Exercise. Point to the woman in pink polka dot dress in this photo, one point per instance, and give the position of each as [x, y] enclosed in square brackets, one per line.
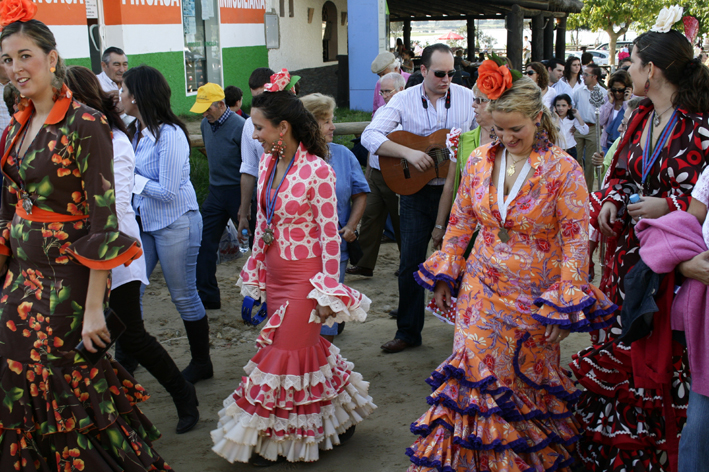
[300, 395]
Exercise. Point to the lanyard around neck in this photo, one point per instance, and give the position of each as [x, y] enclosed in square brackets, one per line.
[650, 157]
[502, 203]
[271, 200]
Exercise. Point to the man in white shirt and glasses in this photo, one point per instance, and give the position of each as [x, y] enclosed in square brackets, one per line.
[586, 145]
[422, 109]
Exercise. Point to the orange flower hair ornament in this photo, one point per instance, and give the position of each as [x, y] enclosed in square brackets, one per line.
[16, 10]
[281, 81]
[495, 78]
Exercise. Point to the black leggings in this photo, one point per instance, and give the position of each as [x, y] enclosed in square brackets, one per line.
[137, 343]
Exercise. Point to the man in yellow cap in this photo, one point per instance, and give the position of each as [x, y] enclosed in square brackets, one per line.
[221, 132]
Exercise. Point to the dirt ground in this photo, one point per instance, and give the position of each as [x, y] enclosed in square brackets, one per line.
[396, 380]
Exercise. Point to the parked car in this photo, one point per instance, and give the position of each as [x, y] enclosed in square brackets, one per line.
[602, 58]
[618, 46]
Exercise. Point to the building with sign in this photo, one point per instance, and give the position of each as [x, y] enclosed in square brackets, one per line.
[189, 41]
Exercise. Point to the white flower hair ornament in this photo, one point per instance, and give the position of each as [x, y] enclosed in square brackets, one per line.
[667, 18]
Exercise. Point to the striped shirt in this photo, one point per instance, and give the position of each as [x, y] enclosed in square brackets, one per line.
[407, 110]
[251, 150]
[163, 190]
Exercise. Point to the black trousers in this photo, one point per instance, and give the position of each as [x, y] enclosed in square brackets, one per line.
[137, 343]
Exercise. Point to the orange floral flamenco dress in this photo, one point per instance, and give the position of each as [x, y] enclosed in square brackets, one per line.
[501, 402]
[299, 394]
[58, 412]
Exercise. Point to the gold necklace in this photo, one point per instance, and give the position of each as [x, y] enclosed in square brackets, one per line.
[513, 166]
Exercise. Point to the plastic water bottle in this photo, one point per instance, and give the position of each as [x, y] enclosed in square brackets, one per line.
[634, 198]
[244, 241]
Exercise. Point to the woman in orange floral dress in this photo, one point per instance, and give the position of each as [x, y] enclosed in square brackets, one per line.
[59, 240]
[501, 401]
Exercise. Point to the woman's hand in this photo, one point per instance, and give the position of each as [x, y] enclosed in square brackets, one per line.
[648, 207]
[606, 219]
[696, 268]
[324, 312]
[442, 295]
[94, 332]
[554, 334]
[348, 234]
[437, 237]
[611, 98]
[597, 159]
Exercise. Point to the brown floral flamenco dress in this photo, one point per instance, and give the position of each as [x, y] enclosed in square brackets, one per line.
[57, 412]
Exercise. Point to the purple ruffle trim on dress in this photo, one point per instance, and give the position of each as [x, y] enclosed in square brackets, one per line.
[426, 462]
[558, 391]
[452, 283]
[437, 379]
[585, 325]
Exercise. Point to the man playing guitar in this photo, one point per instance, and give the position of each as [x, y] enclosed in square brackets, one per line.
[423, 109]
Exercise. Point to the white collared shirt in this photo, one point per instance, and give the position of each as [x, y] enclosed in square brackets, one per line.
[107, 84]
[406, 109]
[251, 150]
[582, 98]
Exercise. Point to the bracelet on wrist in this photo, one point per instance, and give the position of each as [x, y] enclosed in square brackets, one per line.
[439, 227]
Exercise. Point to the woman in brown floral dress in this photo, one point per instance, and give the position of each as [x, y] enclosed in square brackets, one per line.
[59, 240]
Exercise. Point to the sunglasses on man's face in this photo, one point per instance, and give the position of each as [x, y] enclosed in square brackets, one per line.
[441, 73]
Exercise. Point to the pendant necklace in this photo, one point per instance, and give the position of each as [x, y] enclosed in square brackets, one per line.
[513, 166]
[23, 194]
[267, 236]
[502, 203]
[656, 118]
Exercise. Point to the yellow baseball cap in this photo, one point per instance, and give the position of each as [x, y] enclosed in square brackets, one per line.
[206, 95]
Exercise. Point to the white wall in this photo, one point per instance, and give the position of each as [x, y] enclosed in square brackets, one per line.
[301, 43]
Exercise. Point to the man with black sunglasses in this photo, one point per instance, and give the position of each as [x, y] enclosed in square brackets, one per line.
[422, 109]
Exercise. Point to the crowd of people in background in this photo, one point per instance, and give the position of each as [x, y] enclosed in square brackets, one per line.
[548, 165]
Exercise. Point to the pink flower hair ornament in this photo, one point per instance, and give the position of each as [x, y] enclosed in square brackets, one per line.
[281, 81]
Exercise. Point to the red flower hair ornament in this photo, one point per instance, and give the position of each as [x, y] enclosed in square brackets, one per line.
[495, 78]
[281, 81]
[16, 10]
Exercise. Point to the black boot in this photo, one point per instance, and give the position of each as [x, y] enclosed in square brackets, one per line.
[186, 404]
[200, 366]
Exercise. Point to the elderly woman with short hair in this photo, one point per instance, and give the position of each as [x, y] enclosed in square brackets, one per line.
[351, 187]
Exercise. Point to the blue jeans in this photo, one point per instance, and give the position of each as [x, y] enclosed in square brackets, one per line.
[221, 204]
[694, 445]
[176, 247]
[333, 330]
[417, 219]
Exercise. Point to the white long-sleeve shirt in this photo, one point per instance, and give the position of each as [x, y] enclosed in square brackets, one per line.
[566, 137]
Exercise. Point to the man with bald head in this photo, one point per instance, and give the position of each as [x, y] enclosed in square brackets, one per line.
[381, 200]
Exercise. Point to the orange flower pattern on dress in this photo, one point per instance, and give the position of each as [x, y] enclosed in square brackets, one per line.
[501, 398]
[47, 388]
[493, 80]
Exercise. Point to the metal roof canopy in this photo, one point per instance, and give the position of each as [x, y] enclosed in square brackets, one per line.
[425, 10]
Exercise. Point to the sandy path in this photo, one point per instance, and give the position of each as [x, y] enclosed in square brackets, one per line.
[397, 380]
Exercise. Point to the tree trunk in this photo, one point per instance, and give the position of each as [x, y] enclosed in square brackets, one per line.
[613, 40]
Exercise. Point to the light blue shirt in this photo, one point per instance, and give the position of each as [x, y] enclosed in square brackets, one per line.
[349, 181]
[167, 193]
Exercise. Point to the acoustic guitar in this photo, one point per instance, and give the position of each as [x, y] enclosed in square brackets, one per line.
[402, 177]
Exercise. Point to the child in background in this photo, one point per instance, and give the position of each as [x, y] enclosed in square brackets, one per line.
[567, 120]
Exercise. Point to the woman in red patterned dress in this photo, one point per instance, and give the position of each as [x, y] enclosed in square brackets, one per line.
[632, 417]
[300, 394]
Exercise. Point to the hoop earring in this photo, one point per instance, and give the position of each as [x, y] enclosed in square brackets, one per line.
[647, 86]
[278, 147]
[542, 139]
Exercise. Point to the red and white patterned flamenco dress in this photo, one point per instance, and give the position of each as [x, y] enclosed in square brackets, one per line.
[299, 393]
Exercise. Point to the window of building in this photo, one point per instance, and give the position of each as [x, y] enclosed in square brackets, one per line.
[203, 58]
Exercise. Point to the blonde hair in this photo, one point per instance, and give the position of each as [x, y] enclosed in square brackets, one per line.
[525, 97]
[321, 106]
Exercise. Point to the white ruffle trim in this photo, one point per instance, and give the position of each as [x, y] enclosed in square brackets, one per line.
[253, 291]
[342, 311]
[238, 434]
[297, 382]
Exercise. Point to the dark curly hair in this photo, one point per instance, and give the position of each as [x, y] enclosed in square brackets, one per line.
[285, 106]
[674, 55]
